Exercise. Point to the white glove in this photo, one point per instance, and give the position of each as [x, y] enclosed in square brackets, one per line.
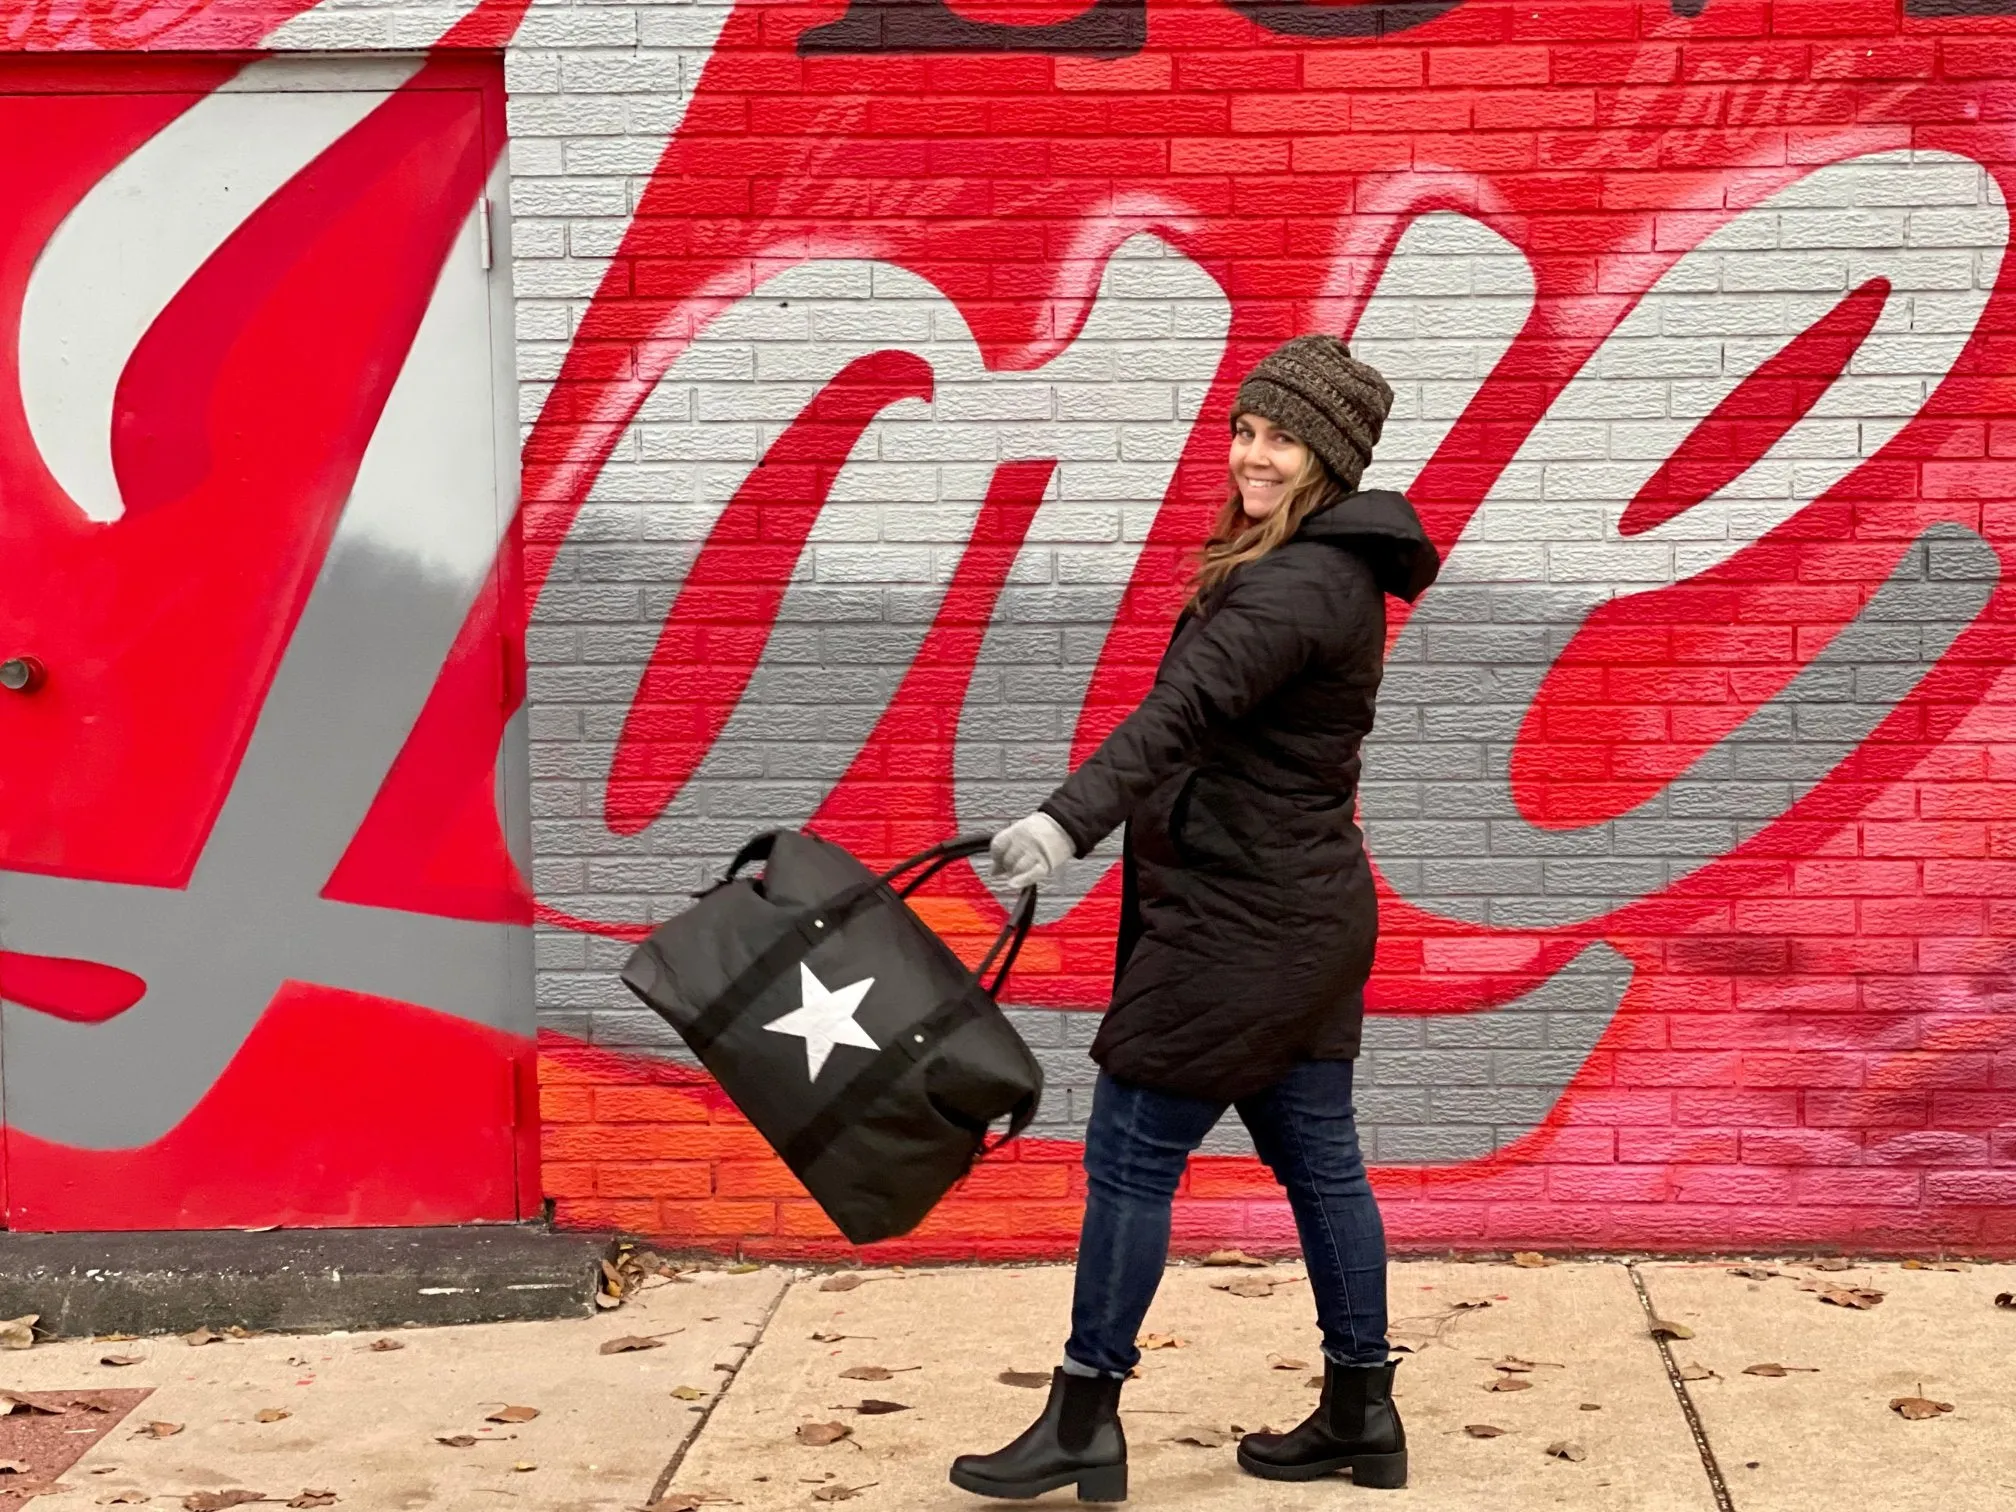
[1030, 851]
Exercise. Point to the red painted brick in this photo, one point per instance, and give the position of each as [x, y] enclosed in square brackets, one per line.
[1738, 1184]
[1453, 67]
[1860, 1186]
[658, 1179]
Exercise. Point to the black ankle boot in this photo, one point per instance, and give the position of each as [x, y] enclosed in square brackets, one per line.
[1354, 1427]
[1077, 1438]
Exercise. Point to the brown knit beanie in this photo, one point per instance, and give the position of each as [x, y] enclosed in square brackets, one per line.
[1313, 387]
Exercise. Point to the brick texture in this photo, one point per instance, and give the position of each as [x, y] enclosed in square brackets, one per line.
[873, 401]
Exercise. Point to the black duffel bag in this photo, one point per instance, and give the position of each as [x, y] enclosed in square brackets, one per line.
[846, 1031]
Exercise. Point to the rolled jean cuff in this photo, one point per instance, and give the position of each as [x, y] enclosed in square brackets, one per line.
[1090, 1372]
[1338, 1357]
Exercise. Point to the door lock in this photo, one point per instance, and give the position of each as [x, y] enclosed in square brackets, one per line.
[22, 674]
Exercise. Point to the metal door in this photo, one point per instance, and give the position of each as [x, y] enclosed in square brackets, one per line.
[262, 942]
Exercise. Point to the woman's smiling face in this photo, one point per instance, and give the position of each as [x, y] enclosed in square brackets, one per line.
[1265, 460]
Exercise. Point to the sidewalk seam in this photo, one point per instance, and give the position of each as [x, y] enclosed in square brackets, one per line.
[1716, 1484]
[664, 1482]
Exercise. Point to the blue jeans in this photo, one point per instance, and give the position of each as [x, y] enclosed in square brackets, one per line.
[1136, 1147]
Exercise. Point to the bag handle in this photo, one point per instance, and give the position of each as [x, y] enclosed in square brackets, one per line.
[933, 859]
[1013, 934]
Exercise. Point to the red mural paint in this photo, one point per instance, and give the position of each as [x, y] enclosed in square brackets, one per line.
[165, 555]
[1768, 694]
[1604, 143]
[339, 1111]
[716, 632]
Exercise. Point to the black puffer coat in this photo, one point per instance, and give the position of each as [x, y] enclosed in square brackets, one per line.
[1248, 916]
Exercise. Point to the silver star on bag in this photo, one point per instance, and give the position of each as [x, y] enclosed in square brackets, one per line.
[826, 1019]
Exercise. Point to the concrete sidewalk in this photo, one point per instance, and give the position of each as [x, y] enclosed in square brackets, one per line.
[744, 1358]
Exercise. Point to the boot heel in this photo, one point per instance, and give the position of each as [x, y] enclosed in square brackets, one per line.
[1110, 1484]
[1386, 1472]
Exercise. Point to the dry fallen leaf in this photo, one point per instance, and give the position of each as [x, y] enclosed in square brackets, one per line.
[1935, 1265]
[821, 1434]
[1286, 1362]
[1230, 1257]
[456, 1440]
[1918, 1408]
[1754, 1272]
[120, 1359]
[866, 1373]
[1247, 1286]
[677, 1501]
[1469, 1304]
[217, 1501]
[2005, 1299]
[124, 1499]
[1510, 1383]
[1661, 1329]
[511, 1415]
[688, 1393]
[271, 1414]
[1162, 1341]
[875, 1407]
[1530, 1259]
[1830, 1263]
[158, 1430]
[16, 1401]
[385, 1346]
[13, 1467]
[192, 1338]
[309, 1498]
[1592, 1406]
[1768, 1368]
[1861, 1298]
[1031, 1379]
[839, 1493]
[846, 1281]
[1568, 1449]
[1513, 1365]
[19, 1333]
[525, 1467]
[1697, 1373]
[740, 1268]
[1482, 1430]
[629, 1343]
[1202, 1437]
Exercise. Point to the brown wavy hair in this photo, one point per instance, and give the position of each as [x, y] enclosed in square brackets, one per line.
[1235, 540]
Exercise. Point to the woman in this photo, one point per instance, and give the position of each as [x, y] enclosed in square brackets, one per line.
[1247, 924]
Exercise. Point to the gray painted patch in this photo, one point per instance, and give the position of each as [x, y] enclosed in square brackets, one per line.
[1439, 815]
[1431, 1088]
[368, 648]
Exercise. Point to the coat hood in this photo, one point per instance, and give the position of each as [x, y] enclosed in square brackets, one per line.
[1382, 528]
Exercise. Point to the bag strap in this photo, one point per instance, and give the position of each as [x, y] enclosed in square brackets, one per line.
[814, 925]
[867, 1085]
[806, 930]
[1013, 934]
[1020, 1119]
[755, 848]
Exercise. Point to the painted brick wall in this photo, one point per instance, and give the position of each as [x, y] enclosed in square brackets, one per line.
[874, 379]
[862, 493]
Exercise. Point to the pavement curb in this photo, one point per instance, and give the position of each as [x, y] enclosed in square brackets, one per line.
[297, 1280]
